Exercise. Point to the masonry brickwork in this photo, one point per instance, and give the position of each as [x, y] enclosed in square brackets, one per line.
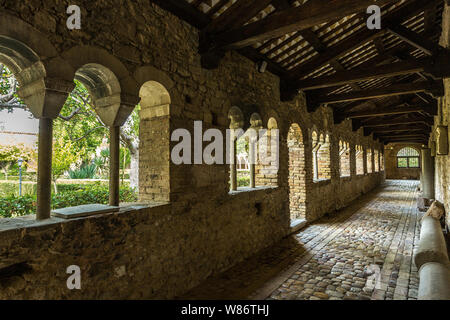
[189, 226]
[442, 162]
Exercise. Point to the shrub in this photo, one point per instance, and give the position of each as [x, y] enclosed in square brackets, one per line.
[11, 189]
[17, 206]
[85, 194]
[87, 171]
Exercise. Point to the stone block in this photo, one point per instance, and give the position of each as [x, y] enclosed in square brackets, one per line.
[432, 247]
[434, 282]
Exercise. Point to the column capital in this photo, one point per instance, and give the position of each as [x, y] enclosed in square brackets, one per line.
[45, 97]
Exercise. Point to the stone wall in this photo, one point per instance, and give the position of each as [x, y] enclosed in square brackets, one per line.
[392, 171]
[442, 162]
[201, 229]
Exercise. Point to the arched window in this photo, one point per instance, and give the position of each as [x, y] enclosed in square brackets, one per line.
[297, 173]
[266, 171]
[359, 160]
[344, 156]
[377, 160]
[408, 158]
[236, 123]
[321, 157]
[369, 157]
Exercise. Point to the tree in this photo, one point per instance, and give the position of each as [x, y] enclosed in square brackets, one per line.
[9, 155]
[78, 122]
[63, 157]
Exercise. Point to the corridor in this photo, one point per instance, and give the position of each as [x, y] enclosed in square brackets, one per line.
[362, 252]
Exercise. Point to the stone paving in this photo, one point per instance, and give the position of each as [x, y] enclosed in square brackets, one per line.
[362, 252]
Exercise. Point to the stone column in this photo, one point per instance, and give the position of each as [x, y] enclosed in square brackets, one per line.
[252, 159]
[233, 169]
[114, 166]
[427, 174]
[44, 174]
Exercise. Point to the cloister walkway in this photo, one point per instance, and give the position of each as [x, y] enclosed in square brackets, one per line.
[362, 252]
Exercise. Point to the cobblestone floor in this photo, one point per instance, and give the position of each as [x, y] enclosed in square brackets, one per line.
[362, 252]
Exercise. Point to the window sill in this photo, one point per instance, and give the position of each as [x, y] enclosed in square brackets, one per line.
[242, 190]
[7, 224]
[322, 181]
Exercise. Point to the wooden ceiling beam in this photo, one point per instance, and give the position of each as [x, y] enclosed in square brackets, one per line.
[393, 18]
[184, 11]
[416, 40]
[235, 16]
[356, 75]
[312, 13]
[401, 129]
[389, 123]
[385, 112]
[435, 87]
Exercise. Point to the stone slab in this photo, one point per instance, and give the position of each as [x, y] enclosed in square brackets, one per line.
[83, 211]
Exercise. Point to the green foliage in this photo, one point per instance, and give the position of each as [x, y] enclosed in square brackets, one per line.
[243, 178]
[63, 157]
[85, 194]
[11, 189]
[86, 171]
[80, 124]
[14, 207]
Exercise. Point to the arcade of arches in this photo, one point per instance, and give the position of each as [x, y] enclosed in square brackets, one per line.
[194, 222]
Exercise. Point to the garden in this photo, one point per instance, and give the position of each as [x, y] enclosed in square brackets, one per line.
[80, 160]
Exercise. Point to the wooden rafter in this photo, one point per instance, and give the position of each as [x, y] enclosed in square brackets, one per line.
[312, 13]
[393, 90]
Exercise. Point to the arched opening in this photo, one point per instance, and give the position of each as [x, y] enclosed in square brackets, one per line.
[408, 158]
[376, 156]
[236, 132]
[344, 159]
[359, 154]
[89, 159]
[27, 89]
[154, 143]
[382, 161]
[369, 156]
[267, 167]
[297, 173]
[321, 157]
[18, 141]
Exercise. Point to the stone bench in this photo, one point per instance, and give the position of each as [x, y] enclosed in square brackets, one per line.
[432, 261]
[434, 282]
[432, 247]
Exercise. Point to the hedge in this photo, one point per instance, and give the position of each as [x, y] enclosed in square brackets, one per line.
[19, 206]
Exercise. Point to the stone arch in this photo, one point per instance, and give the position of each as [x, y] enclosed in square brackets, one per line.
[236, 118]
[44, 78]
[256, 121]
[344, 158]
[268, 150]
[17, 29]
[297, 173]
[154, 142]
[115, 93]
[272, 123]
